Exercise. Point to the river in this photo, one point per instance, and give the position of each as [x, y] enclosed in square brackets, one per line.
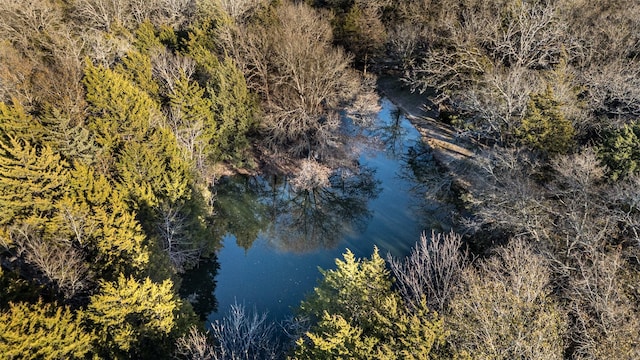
[274, 239]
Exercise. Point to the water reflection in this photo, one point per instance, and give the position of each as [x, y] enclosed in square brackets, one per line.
[295, 221]
[392, 133]
[284, 235]
[198, 286]
[241, 208]
[320, 218]
[431, 187]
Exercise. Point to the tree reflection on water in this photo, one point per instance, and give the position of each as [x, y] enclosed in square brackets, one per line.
[392, 133]
[320, 218]
[432, 187]
[295, 221]
[198, 286]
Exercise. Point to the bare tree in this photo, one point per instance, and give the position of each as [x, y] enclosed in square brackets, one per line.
[495, 105]
[243, 335]
[432, 271]
[238, 9]
[50, 56]
[505, 195]
[174, 13]
[168, 68]
[604, 311]
[484, 58]
[311, 176]
[503, 309]
[177, 241]
[303, 80]
[60, 263]
[104, 14]
[194, 346]
[30, 24]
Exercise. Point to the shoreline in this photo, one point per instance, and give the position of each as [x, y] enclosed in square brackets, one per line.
[452, 152]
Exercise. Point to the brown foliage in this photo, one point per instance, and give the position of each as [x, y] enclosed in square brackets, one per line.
[304, 81]
[41, 60]
[503, 309]
[59, 262]
[432, 271]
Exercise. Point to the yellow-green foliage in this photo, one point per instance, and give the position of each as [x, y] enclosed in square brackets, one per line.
[545, 126]
[146, 39]
[16, 123]
[153, 170]
[16, 288]
[361, 317]
[67, 136]
[42, 331]
[192, 118]
[146, 157]
[96, 217]
[621, 151]
[31, 179]
[120, 111]
[128, 311]
[136, 67]
[234, 108]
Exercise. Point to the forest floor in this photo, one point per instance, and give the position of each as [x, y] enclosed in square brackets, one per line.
[451, 151]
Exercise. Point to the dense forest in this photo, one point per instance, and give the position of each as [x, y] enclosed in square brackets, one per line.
[117, 117]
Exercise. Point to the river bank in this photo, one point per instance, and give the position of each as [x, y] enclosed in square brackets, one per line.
[451, 151]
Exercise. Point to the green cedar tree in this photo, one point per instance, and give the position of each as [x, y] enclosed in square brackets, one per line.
[127, 312]
[96, 217]
[31, 179]
[621, 152]
[545, 126]
[43, 331]
[362, 317]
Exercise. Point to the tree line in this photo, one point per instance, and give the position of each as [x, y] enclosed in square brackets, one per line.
[116, 116]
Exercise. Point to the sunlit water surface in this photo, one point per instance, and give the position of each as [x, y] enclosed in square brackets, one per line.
[276, 239]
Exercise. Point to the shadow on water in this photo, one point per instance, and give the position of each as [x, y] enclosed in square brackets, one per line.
[431, 187]
[198, 286]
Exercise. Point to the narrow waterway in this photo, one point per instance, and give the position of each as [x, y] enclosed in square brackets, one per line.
[274, 239]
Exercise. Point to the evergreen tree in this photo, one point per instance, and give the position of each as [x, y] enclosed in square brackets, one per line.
[43, 331]
[621, 152]
[136, 67]
[17, 123]
[31, 179]
[359, 316]
[544, 126]
[191, 120]
[96, 218]
[234, 109]
[16, 288]
[233, 105]
[70, 138]
[119, 111]
[128, 312]
[153, 170]
[146, 39]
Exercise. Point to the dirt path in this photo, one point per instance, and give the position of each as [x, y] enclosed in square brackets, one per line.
[449, 150]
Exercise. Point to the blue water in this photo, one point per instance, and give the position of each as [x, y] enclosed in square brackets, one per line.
[274, 272]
